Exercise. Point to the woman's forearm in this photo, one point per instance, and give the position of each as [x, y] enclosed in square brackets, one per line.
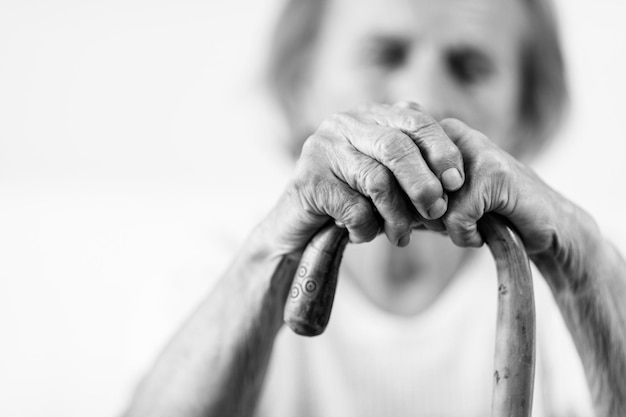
[215, 365]
[588, 278]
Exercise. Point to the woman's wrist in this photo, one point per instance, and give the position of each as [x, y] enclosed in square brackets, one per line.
[260, 280]
[577, 245]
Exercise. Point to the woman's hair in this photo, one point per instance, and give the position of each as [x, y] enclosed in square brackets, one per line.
[290, 58]
[544, 91]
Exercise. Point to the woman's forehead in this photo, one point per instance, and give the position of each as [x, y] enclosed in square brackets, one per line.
[476, 20]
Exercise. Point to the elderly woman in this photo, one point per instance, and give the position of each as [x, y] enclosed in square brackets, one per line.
[458, 92]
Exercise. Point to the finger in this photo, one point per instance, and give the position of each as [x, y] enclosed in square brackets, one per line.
[465, 208]
[440, 153]
[346, 206]
[373, 180]
[396, 151]
[436, 225]
[462, 230]
[470, 203]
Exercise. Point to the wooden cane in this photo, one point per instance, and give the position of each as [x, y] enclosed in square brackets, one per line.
[309, 304]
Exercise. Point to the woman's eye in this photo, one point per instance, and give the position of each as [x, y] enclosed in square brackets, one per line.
[469, 66]
[386, 55]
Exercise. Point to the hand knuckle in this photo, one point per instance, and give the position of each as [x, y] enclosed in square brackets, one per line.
[444, 155]
[461, 229]
[310, 189]
[357, 212]
[395, 147]
[377, 182]
[409, 121]
[426, 126]
[381, 142]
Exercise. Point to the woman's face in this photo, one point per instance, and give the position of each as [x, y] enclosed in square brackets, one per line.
[457, 58]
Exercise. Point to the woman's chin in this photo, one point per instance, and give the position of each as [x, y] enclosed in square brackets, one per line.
[404, 281]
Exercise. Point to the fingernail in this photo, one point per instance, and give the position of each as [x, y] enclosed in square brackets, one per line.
[438, 209]
[405, 240]
[452, 179]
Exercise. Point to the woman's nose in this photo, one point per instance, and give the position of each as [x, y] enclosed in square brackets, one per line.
[425, 82]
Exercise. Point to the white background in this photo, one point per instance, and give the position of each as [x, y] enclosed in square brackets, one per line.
[128, 130]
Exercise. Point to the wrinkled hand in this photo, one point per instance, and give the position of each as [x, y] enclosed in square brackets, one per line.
[496, 182]
[378, 168]
[394, 168]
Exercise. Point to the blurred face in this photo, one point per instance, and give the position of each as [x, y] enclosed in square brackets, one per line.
[457, 58]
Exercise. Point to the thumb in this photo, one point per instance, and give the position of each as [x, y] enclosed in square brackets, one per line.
[461, 220]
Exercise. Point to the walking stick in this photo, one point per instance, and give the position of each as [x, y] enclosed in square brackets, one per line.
[310, 301]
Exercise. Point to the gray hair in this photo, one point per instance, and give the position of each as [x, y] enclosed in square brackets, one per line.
[544, 92]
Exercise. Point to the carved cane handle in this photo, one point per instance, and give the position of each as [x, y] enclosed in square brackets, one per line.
[309, 305]
[310, 299]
